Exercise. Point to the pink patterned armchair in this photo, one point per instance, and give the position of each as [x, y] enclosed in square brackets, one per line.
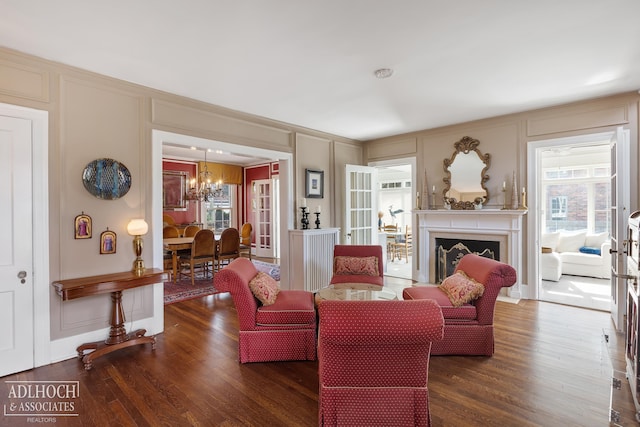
[285, 330]
[468, 329]
[374, 361]
[352, 265]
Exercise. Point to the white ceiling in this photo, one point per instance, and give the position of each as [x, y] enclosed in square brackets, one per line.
[178, 151]
[311, 63]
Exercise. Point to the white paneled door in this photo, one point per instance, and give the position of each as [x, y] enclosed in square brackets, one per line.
[361, 213]
[620, 211]
[16, 264]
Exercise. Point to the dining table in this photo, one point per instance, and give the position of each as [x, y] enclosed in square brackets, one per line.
[175, 244]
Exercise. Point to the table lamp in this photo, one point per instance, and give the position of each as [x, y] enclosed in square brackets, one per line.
[137, 228]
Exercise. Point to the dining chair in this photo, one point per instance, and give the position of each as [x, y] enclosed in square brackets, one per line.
[228, 247]
[190, 230]
[202, 253]
[403, 245]
[391, 230]
[245, 239]
[168, 220]
[170, 231]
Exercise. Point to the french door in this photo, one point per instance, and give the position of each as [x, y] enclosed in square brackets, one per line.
[620, 211]
[360, 205]
[265, 207]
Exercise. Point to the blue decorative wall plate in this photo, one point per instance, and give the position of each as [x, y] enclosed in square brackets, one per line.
[106, 179]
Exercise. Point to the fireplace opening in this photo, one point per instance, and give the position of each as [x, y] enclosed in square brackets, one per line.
[450, 251]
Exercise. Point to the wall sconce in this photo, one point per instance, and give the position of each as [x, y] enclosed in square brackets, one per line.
[137, 228]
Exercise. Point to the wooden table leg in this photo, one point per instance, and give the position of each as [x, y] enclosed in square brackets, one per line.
[174, 259]
[100, 348]
[118, 337]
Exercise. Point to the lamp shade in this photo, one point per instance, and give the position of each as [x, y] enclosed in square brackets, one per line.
[137, 227]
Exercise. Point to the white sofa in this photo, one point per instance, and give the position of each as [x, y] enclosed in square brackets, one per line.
[575, 253]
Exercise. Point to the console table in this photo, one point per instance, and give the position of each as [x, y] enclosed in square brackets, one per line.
[110, 283]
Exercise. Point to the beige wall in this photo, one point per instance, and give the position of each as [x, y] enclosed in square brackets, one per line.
[506, 137]
[93, 116]
[313, 153]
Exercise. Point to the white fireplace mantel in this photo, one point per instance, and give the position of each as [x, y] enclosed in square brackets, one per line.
[504, 226]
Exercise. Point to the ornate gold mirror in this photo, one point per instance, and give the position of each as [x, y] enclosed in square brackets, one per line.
[466, 176]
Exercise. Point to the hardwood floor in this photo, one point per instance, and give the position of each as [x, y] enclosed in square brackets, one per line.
[551, 368]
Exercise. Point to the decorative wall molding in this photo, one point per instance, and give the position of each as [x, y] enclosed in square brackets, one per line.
[23, 81]
[223, 127]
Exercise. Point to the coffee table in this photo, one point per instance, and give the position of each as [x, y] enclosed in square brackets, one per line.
[372, 293]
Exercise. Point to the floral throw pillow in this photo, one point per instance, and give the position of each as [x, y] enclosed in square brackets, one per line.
[364, 265]
[264, 287]
[461, 289]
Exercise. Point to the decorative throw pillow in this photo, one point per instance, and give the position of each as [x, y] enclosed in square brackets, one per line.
[264, 287]
[364, 265]
[571, 241]
[588, 250]
[550, 240]
[461, 289]
[596, 240]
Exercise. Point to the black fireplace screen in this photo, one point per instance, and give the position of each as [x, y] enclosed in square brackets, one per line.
[450, 251]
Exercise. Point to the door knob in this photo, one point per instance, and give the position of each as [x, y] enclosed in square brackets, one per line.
[22, 275]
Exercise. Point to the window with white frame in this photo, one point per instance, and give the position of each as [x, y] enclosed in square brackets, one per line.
[577, 197]
[559, 207]
[219, 212]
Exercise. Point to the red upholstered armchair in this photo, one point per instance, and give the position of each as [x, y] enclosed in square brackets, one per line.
[347, 273]
[374, 361]
[468, 329]
[285, 330]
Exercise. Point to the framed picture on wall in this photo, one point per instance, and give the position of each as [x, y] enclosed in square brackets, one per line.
[108, 242]
[82, 226]
[174, 190]
[314, 183]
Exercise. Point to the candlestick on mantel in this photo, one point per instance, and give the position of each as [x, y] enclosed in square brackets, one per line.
[433, 197]
[504, 195]
[514, 193]
[524, 199]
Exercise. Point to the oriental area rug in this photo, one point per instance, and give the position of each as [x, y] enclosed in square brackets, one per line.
[203, 285]
[182, 289]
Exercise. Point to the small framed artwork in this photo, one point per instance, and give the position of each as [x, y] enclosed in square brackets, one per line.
[174, 189]
[314, 183]
[108, 242]
[82, 226]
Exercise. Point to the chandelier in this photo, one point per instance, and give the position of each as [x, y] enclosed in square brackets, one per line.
[204, 190]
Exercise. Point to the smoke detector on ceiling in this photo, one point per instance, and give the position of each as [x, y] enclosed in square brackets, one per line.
[383, 73]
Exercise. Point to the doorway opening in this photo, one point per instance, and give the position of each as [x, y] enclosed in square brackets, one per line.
[396, 198]
[573, 199]
[278, 233]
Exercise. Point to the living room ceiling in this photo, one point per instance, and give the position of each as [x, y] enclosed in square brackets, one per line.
[312, 63]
